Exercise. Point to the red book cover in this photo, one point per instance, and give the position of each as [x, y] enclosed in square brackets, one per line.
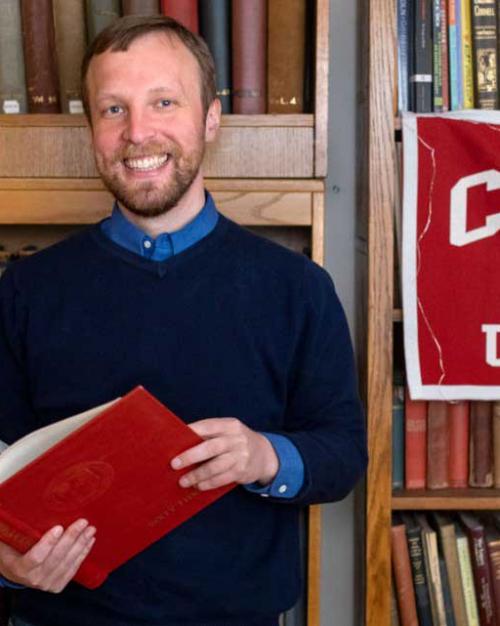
[437, 445]
[184, 11]
[458, 433]
[115, 466]
[403, 577]
[481, 444]
[415, 442]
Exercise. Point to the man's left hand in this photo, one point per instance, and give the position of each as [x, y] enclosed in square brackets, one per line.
[230, 452]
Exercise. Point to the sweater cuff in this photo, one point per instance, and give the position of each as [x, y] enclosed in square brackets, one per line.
[7, 583]
[290, 477]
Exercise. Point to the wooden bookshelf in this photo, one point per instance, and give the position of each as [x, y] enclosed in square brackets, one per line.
[379, 124]
[265, 172]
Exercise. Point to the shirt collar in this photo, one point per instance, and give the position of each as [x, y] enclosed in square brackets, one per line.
[126, 234]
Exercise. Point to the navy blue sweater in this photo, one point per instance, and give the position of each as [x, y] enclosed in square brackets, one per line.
[245, 328]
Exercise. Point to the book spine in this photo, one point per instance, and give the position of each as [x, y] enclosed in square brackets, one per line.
[215, 28]
[249, 30]
[434, 578]
[69, 23]
[466, 40]
[453, 55]
[481, 457]
[485, 38]
[419, 576]
[421, 78]
[12, 78]
[480, 570]
[403, 56]
[445, 56]
[467, 580]
[460, 68]
[496, 443]
[437, 445]
[184, 11]
[493, 547]
[100, 14]
[403, 577]
[395, 621]
[448, 605]
[140, 7]
[415, 443]
[450, 552]
[437, 73]
[458, 431]
[39, 56]
[398, 427]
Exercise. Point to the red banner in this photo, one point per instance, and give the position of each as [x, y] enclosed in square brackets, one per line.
[451, 255]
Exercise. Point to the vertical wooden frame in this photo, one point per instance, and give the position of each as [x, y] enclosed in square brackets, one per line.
[321, 88]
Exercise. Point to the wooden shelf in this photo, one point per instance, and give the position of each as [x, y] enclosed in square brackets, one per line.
[451, 499]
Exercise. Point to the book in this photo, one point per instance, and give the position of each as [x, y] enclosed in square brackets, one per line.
[437, 445]
[445, 76]
[417, 560]
[402, 573]
[438, 27]
[96, 466]
[40, 62]
[481, 448]
[421, 75]
[447, 541]
[458, 444]
[415, 442]
[249, 35]
[286, 31]
[101, 13]
[71, 41]
[141, 7]
[12, 77]
[485, 40]
[403, 55]
[492, 534]
[395, 621]
[184, 11]
[431, 557]
[448, 605]
[398, 449]
[496, 443]
[454, 56]
[465, 38]
[215, 28]
[475, 532]
[466, 576]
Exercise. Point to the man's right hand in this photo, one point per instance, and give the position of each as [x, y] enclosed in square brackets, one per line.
[53, 561]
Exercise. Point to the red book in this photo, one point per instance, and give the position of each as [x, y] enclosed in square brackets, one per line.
[403, 577]
[184, 11]
[458, 433]
[437, 445]
[415, 442]
[107, 464]
[481, 444]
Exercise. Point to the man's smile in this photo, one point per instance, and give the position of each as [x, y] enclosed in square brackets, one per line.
[146, 163]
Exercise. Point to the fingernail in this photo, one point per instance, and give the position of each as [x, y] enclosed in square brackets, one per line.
[57, 531]
[176, 463]
[81, 524]
[90, 532]
[184, 482]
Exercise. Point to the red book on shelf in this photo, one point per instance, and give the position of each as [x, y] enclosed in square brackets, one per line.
[109, 463]
[415, 442]
[437, 445]
[481, 444]
[458, 432]
[184, 11]
[403, 578]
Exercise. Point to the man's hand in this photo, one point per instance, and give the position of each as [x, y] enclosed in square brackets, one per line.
[231, 452]
[53, 561]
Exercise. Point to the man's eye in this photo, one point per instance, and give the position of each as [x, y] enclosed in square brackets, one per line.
[114, 109]
[164, 103]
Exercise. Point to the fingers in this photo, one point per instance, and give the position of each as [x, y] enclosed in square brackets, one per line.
[210, 474]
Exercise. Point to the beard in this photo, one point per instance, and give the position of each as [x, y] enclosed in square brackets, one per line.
[151, 198]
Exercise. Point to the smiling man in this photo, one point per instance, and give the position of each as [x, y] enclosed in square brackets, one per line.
[243, 339]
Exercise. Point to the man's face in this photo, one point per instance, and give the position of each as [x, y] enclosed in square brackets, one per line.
[148, 125]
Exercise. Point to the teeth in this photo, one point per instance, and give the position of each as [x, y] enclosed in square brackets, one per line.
[147, 163]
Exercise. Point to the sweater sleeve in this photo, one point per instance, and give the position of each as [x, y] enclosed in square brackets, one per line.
[16, 415]
[324, 418]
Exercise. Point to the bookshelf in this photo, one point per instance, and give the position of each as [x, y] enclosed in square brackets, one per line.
[265, 172]
[375, 245]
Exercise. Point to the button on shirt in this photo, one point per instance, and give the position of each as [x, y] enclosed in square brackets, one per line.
[121, 231]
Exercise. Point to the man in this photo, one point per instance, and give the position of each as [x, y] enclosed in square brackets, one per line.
[243, 339]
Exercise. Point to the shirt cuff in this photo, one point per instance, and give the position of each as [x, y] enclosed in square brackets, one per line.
[290, 477]
[7, 583]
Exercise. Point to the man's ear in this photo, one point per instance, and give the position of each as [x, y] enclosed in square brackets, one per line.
[212, 121]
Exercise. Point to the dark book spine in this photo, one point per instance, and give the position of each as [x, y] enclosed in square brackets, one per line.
[12, 77]
[286, 30]
[419, 575]
[249, 28]
[215, 28]
[101, 13]
[421, 77]
[184, 11]
[398, 436]
[448, 605]
[403, 56]
[140, 7]
[40, 56]
[69, 21]
[493, 547]
[437, 73]
[485, 38]
[481, 445]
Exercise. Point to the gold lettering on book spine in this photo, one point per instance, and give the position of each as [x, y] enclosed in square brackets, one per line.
[173, 507]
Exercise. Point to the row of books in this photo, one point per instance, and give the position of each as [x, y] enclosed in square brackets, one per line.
[446, 569]
[441, 445]
[262, 50]
[447, 55]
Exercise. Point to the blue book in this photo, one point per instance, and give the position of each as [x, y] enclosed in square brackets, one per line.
[453, 52]
[398, 436]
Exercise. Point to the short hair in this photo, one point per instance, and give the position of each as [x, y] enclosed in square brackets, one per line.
[120, 34]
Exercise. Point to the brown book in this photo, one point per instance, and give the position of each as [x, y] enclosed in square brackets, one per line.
[481, 448]
[402, 574]
[496, 443]
[184, 11]
[458, 442]
[69, 22]
[394, 607]
[40, 56]
[140, 7]
[493, 549]
[433, 573]
[437, 445]
[286, 30]
[249, 28]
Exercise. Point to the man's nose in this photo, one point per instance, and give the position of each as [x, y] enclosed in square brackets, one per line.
[138, 128]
